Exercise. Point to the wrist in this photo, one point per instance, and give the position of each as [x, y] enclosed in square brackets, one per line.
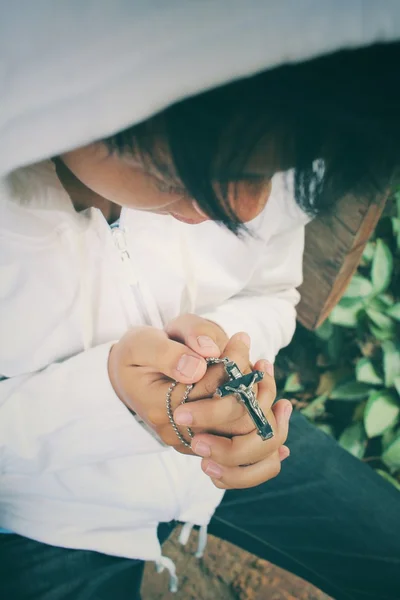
[114, 371]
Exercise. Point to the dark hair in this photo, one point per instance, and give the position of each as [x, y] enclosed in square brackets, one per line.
[334, 119]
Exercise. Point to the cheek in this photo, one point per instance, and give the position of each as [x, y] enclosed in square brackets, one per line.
[117, 181]
[250, 199]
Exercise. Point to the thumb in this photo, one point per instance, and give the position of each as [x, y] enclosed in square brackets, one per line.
[204, 337]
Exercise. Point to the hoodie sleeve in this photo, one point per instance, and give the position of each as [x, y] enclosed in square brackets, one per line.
[265, 307]
[66, 415]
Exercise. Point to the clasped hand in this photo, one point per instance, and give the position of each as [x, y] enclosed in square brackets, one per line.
[141, 366]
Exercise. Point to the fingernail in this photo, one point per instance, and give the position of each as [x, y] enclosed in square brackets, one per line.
[206, 342]
[268, 368]
[183, 417]
[189, 365]
[202, 449]
[213, 470]
[288, 411]
[284, 452]
[245, 339]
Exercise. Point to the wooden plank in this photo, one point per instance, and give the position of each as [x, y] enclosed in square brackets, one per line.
[333, 248]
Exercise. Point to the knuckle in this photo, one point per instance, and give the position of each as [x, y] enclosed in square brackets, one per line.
[209, 418]
[272, 385]
[163, 350]
[230, 456]
[244, 425]
[220, 484]
[172, 324]
[209, 414]
[283, 436]
[178, 325]
[210, 386]
[235, 452]
[136, 336]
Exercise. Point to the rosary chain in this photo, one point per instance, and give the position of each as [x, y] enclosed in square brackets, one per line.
[210, 361]
[170, 415]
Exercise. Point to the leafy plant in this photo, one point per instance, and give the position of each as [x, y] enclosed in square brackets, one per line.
[350, 386]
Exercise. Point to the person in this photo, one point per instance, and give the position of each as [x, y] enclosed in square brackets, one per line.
[102, 308]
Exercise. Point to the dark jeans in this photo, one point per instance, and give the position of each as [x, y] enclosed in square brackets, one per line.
[327, 517]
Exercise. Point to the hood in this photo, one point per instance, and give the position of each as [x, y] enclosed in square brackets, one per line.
[73, 72]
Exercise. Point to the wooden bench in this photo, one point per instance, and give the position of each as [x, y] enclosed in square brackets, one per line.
[333, 250]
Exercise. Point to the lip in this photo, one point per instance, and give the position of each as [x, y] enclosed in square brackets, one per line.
[187, 220]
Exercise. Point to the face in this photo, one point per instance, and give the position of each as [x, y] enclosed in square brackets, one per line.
[127, 182]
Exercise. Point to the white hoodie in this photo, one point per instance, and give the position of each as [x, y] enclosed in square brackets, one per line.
[77, 470]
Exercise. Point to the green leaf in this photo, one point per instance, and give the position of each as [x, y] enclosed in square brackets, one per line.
[382, 265]
[353, 390]
[293, 383]
[391, 456]
[379, 303]
[391, 362]
[369, 252]
[382, 321]
[388, 436]
[359, 287]
[354, 303]
[396, 224]
[329, 380]
[388, 478]
[386, 299]
[326, 428]
[396, 383]
[325, 330]
[353, 439]
[345, 316]
[396, 230]
[381, 412]
[397, 199]
[316, 408]
[334, 345]
[358, 414]
[380, 334]
[394, 311]
[365, 371]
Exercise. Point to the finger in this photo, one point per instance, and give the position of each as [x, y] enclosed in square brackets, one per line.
[284, 453]
[204, 337]
[245, 449]
[267, 386]
[211, 414]
[282, 411]
[236, 451]
[236, 350]
[242, 477]
[238, 347]
[151, 347]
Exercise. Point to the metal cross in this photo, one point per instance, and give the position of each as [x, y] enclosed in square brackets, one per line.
[241, 387]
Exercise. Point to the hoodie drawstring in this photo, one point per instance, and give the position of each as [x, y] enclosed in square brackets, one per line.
[166, 563]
